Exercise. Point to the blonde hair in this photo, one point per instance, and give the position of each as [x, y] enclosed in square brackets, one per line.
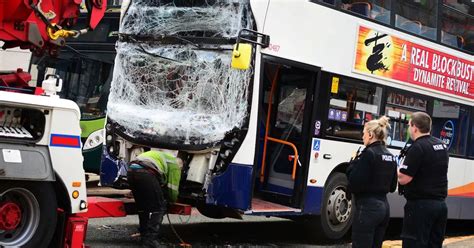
[379, 128]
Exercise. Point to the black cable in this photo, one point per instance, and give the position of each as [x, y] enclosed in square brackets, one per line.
[82, 55]
[186, 40]
[141, 48]
[75, 50]
[156, 55]
[176, 233]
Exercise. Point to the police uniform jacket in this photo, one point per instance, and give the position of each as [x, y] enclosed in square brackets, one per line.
[373, 171]
[427, 162]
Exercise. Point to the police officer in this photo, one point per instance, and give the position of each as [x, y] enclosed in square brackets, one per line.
[372, 174]
[154, 178]
[423, 173]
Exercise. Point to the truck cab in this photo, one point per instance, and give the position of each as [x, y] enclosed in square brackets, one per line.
[42, 181]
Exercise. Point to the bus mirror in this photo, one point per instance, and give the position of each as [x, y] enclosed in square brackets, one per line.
[241, 56]
[242, 53]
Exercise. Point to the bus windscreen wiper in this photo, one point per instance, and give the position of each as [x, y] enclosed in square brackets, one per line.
[200, 43]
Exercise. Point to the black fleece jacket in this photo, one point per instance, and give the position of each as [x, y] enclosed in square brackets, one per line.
[373, 171]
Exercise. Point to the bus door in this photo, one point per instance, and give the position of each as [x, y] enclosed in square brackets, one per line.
[286, 107]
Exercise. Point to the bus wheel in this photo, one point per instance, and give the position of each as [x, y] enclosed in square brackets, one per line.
[210, 211]
[336, 213]
[217, 212]
[27, 214]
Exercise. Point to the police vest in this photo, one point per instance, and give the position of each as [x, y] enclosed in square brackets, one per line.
[168, 168]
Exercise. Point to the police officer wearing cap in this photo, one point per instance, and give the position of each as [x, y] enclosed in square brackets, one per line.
[372, 174]
[423, 174]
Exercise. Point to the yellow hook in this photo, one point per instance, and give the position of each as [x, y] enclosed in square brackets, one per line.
[62, 33]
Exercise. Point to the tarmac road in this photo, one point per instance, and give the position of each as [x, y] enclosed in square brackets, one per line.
[253, 231]
[202, 231]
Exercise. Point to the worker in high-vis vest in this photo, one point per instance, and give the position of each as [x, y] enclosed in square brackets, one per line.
[154, 180]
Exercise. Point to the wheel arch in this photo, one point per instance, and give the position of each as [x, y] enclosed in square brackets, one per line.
[62, 194]
[329, 231]
[342, 168]
[64, 203]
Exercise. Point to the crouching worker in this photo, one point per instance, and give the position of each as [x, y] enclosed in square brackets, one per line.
[154, 180]
[372, 174]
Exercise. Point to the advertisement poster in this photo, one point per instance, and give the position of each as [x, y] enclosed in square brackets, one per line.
[447, 134]
[384, 55]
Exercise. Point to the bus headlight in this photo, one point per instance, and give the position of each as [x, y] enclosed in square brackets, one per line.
[94, 140]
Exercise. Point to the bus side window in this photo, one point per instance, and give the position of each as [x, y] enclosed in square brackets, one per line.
[378, 10]
[399, 109]
[351, 104]
[418, 17]
[451, 124]
[457, 22]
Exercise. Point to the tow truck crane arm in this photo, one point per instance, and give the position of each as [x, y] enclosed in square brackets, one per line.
[43, 25]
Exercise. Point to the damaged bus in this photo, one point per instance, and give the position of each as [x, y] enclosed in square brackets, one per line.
[275, 139]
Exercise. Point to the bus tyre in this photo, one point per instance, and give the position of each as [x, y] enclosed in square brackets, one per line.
[27, 214]
[217, 212]
[336, 211]
[210, 211]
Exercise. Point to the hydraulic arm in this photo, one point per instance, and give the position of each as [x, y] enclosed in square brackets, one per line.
[43, 25]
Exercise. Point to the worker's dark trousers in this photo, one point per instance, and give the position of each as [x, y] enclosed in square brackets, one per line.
[371, 218]
[149, 200]
[424, 223]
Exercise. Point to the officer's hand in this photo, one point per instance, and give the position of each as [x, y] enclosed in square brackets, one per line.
[401, 189]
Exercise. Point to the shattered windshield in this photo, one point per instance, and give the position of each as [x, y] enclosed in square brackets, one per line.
[172, 78]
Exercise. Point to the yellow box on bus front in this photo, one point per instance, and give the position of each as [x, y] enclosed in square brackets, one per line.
[241, 56]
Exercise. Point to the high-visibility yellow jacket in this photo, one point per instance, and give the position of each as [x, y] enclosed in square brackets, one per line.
[169, 169]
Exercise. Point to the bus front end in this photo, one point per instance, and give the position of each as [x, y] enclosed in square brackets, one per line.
[173, 88]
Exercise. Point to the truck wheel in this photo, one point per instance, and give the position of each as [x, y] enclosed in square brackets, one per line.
[27, 214]
[336, 210]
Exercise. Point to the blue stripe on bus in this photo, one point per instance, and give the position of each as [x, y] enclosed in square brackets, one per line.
[233, 188]
[314, 197]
